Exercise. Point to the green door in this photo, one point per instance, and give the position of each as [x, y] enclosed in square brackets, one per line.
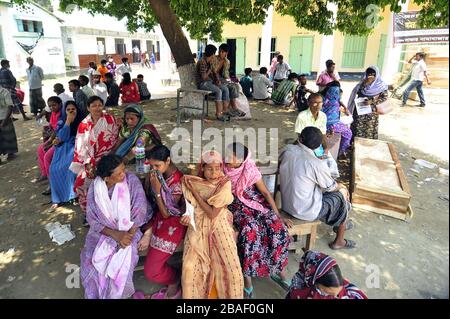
[240, 55]
[354, 53]
[381, 52]
[301, 54]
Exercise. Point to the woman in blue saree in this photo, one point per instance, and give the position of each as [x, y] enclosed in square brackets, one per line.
[61, 178]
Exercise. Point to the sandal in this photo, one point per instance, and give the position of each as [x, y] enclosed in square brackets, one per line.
[236, 113]
[248, 293]
[285, 284]
[349, 244]
[223, 118]
[47, 192]
[349, 226]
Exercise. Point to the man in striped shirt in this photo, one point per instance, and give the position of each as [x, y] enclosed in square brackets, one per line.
[280, 95]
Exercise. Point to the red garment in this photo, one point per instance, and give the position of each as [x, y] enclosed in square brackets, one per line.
[54, 120]
[167, 234]
[91, 144]
[130, 93]
[348, 291]
[313, 265]
[20, 95]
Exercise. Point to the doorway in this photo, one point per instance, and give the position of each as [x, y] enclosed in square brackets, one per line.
[236, 55]
[136, 47]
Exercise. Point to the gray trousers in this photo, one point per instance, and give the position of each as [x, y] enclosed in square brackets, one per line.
[37, 103]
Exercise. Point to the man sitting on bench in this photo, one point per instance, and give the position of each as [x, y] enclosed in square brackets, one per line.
[308, 191]
[207, 80]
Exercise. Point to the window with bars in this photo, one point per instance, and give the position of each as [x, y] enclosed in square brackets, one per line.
[29, 26]
[273, 43]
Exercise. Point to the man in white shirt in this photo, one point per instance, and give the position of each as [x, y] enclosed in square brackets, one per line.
[100, 88]
[282, 70]
[308, 192]
[35, 76]
[418, 74]
[260, 85]
[125, 67]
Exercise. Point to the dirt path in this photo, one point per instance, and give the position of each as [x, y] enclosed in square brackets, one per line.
[412, 258]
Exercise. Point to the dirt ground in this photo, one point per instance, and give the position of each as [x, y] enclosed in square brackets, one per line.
[410, 258]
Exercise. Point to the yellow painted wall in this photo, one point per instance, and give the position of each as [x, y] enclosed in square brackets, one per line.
[283, 28]
[251, 33]
[373, 44]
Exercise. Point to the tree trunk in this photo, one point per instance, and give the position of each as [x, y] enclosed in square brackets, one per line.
[181, 52]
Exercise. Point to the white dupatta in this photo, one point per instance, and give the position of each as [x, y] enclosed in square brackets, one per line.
[110, 262]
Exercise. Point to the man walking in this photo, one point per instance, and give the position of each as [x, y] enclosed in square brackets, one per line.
[8, 81]
[35, 76]
[418, 74]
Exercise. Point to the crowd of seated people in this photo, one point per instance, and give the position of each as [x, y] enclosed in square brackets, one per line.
[235, 231]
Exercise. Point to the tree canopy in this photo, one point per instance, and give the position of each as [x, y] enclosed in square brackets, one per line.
[206, 17]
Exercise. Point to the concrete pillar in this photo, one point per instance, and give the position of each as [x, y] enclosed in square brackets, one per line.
[266, 39]
[392, 53]
[327, 46]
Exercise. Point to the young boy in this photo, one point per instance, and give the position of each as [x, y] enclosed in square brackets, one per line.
[143, 90]
[280, 95]
[247, 83]
[84, 81]
[113, 91]
[260, 84]
[300, 98]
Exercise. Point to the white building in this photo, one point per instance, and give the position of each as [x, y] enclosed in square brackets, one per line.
[34, 29]
[91, 38]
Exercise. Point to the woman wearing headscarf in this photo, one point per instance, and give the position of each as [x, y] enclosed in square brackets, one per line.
[263, 238]
[96, 137]
[375, 90]
[45, 151]
[136, 128]
[319, 277]
[332, 108]
[61, 178]
[211, 267]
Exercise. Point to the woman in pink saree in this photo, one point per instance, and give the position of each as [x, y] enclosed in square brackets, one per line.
[116, 209]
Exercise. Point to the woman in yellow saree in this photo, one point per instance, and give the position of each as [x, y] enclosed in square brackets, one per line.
[211, 266]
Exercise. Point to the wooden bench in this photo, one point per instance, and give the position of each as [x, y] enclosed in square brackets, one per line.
[300, 227]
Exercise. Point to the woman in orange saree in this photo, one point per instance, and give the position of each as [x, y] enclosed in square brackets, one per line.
[211, 264]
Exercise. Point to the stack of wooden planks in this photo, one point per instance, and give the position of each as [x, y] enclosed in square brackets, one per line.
[379, 184]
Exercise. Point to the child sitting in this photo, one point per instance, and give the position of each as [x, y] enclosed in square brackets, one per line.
[261, 83]
[211, 266]
[143, 90]
[247, 83]
[319, 277]
[301, 100]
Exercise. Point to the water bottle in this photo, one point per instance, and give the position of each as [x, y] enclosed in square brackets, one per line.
[139, 153]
